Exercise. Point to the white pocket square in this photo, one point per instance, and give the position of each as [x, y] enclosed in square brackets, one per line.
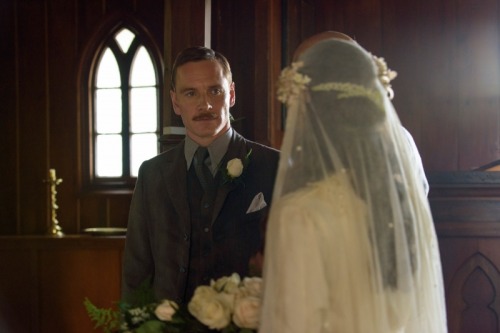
[258, 203]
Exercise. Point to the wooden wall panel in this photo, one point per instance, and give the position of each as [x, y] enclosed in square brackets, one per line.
[401, 49]
[18, 292]
[9, 214]
[472, 278]
[363, 22]
[268, 55]
[33, 116]
[234, 36]
[45, 281]
[447, 88]
[62, 103]
[466, 212]
[251, 42]
[41, 115]
[437, 82]
[300, 22]
[478, 54]
[184, 27]
[67, 277]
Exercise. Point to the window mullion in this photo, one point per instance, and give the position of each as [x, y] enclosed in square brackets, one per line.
[125, 75]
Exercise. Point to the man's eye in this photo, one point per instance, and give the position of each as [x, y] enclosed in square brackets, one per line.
[189, 93]
[217, 91]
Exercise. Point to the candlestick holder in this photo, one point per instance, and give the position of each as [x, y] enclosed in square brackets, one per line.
[54, 227]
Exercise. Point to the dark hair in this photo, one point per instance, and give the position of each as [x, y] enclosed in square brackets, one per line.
[199, 53]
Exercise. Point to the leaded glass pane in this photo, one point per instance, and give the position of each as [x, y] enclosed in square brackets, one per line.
[143, 73]
[124, 38]
[142, 147]
[108, 75]
[108, 111]
[143, 109]
[108, 156]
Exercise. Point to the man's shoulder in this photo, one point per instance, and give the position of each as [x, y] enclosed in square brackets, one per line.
[256, 145]
[262, 147]
[168, 156]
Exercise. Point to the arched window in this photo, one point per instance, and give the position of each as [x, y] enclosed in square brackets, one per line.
[124, 93]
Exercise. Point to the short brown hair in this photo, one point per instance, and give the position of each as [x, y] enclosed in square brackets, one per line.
[199, 53]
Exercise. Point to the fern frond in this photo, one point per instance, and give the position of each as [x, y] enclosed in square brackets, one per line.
[107, 319]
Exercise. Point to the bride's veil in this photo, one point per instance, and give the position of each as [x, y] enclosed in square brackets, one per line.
[350, 244]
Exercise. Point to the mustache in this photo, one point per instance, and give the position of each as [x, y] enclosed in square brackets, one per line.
[205, 116]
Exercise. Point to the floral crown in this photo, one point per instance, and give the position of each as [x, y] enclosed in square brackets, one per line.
[385, 75]
[292, 83]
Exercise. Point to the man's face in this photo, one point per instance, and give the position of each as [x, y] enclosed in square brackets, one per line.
[203, 97]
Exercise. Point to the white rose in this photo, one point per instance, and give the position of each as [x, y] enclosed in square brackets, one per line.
[166, 310]
[252, 286]
[211, 308]
[227, 284]
[247, 312]
[234, 167]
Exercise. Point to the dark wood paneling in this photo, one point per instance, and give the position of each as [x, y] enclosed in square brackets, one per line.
[478, 54]
[251, 42]
[437, 78]
[45, 281]
[67, 276]
[466, 211]
[184, 27]
[299, 23]
[18, 291]
[118, 210]
[472, 281]
[33, 116]
[62, 103]
[9, 214]
[447, 91]
[400, 47]
[234, 36]
[43, 43]
[447, 87]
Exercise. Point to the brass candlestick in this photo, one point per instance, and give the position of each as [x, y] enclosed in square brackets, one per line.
[54, 228]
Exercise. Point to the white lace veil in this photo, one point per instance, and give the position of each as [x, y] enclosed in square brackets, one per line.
[350, 244]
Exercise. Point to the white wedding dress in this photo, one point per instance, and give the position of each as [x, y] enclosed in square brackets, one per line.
[321, 269]
[350, 241]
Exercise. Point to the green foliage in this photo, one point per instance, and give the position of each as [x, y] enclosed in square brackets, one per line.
[107, 319]
[151, 326]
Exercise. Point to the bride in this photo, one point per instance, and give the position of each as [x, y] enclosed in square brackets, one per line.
[350, 243]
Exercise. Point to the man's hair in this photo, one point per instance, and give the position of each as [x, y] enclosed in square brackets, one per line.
[200, 53]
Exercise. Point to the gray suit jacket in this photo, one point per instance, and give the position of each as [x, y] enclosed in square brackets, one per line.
[159, 228]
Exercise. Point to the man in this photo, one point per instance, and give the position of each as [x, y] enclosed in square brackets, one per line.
[186, 227]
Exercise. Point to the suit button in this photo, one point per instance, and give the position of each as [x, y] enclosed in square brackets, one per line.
[206, 205]
[206, 229]
[182, 269]
[186, 237]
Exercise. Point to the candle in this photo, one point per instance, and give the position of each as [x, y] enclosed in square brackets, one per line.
[52, 173]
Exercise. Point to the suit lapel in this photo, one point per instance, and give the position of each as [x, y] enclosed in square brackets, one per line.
[237, 149]
[175, 177]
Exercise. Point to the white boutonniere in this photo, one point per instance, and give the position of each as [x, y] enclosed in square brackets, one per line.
[234, 169]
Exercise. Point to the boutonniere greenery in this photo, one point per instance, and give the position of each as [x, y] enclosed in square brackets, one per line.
[234, 169]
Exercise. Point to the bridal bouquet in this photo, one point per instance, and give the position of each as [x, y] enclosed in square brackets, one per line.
[227, 305]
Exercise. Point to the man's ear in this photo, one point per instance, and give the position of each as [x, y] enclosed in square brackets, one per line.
[173, 97]
[232, 94]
